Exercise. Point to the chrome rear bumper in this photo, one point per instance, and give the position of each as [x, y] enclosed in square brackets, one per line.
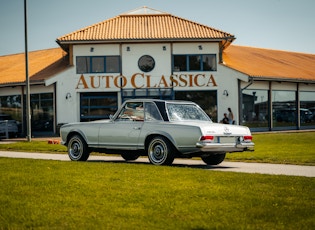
[225, 147]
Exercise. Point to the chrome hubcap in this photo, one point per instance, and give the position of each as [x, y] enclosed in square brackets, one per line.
[157, 151]
[75, 149]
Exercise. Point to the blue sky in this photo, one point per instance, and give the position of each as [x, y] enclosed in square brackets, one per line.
[273, 24]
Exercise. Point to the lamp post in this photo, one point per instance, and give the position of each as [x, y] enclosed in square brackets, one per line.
[28, 103]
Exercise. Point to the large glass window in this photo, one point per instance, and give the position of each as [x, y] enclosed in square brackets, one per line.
[196, 62]
[207, 100]
[209, 62]
[42, 115]
[12, 106]
[83, 64]
[95, 106]
[255, 108]
[154, 93]
[307, 108]
[42, 112]
[180, 63]
[284, 108]
[98, 64]
[112, 64]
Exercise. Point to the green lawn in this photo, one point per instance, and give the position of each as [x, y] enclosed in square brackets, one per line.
[283, 148]
[43, 194]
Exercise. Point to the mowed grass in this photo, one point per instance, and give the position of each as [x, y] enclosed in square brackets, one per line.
[39, 146]
[282, 148]
[43, 194]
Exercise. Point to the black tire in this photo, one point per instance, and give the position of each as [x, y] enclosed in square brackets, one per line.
[130, 156]
[160, 151]
[214, 159]
[78, 149]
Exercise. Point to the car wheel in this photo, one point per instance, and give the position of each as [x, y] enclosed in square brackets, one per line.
[78, 149]
[213, 159]
[160, 151]
[130, 156]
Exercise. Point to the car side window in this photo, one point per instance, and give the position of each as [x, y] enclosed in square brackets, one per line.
[132, 111]
[151, 112]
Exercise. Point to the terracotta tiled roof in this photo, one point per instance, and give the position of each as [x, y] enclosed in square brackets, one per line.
[145, 24]
[42, 65]
[270, 64]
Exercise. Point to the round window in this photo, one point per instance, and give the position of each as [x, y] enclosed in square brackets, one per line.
[146, 63]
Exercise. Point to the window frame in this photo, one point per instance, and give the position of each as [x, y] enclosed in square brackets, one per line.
[92, 101]
[188, 57]
[90, 67]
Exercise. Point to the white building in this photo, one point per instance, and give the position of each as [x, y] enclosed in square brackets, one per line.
[148, 53]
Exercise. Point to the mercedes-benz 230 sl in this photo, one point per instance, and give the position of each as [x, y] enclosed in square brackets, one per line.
[161, 130]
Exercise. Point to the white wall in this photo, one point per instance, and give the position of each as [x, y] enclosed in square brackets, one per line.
[224, 79]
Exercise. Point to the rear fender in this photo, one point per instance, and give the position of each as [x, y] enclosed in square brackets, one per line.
[160, 133]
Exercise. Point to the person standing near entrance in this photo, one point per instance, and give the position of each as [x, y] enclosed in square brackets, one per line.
[225, 119]
[231, 116]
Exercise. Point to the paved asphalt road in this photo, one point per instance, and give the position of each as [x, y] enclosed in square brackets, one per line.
[262, 168]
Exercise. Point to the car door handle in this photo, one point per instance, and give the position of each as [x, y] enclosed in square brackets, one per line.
[137, 128]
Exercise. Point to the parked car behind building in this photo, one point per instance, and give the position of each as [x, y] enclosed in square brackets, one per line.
[8, 126]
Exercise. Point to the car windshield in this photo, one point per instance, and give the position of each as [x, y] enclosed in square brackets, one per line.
[181, 112]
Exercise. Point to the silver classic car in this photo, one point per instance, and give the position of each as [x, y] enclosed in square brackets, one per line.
[161, 130]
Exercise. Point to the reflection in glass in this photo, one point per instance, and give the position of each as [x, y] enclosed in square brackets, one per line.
[42, 112]
[284, 108]
[98, 65]
[83, 64]
[209, 62]
[95, 106]
[255, 108]
[182, 112]
[207, 100]
[12, 106]
[307, 108]
[180, 63]
[146, 63]
[112, 64]
[194, 62]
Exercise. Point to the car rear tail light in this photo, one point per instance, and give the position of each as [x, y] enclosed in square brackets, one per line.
[207, 138]
[248, 138]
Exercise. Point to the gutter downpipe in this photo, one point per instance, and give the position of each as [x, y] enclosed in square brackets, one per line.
[251, 81]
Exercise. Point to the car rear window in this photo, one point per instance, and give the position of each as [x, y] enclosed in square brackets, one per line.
[181, 112]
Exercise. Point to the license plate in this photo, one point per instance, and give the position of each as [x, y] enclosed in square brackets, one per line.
[225, 140]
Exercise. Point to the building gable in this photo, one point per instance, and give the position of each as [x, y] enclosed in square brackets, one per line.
[144, 25]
